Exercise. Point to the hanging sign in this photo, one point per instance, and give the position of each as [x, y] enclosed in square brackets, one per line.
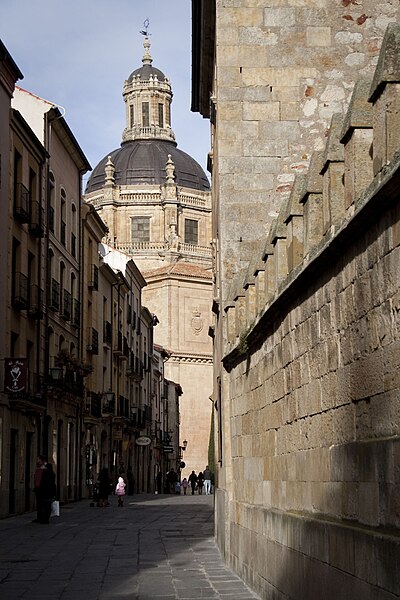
[143, 441]
[15, 375]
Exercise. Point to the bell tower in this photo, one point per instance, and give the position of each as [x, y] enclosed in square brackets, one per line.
[148, 96]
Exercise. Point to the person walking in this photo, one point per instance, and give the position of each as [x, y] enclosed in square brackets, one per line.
[193, 481]
[45, 489]
[200, 482]
[104, 487]
[185, 485]
[207, 480]
[120, 490]
[172, 478]
[159, 479]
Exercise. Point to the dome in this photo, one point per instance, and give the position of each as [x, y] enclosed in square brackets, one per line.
[145, 73]
[142, 162]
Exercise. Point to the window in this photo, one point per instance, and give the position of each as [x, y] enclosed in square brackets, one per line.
[191, 231]
[161, 115]
[140, 229]
[131, 115]
[51, 202]
[63, 230]
[145, 114]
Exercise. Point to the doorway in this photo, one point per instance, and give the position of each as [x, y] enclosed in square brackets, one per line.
[12, 470]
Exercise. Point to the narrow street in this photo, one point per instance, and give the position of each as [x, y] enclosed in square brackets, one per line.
[153, 547]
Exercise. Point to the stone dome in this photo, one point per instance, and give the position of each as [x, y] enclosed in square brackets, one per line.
[145, 73]
[142, 162]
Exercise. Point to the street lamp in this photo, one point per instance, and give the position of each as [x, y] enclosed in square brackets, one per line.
[56, 373]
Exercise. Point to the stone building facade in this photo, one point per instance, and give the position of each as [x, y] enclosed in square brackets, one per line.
[79, 381]
[156, 202]
[304, 107]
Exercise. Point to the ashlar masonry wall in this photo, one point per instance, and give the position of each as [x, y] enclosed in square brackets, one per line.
[313, 364]
[284, 67]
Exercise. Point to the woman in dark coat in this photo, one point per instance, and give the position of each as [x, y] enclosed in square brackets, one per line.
[45, 489]
[104, 487]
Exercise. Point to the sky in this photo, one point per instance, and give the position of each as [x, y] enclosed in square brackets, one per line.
[78, 53]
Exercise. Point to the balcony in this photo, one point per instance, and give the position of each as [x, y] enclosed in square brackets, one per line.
[123, 407]
[76, 313]
[107, 333]
[54, 294]
[118, 349]
[66, 306]
[20, 296]
[93, 341]
[35, 309]
[93, 282]
[92, 408]
[125, 348]
[108, 404]
[21, 203]
[36, 219]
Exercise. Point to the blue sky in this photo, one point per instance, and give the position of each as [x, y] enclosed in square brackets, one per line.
[77, 54]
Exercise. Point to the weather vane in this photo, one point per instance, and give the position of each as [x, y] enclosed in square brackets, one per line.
[146, 28]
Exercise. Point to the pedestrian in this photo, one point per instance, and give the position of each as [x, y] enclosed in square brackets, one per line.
[172, 478]
[193, 481]
[207, 480]
[131, 481]
[120, 490]
[45, 489]
[104, 487]
[200, 482]
[159, 482]
[185, 485]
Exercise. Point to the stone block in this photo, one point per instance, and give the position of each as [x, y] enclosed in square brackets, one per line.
[349, 501]
[341, 548]
[387, 553]
[260, 111]
[318, 36]
[366, 376]
[358, 167]
[279, 17]
[290, 111]
[368, 503]
[265, 147]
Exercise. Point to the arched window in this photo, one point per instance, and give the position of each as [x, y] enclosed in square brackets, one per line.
[52, 186]
[63, 231]
[74, 229]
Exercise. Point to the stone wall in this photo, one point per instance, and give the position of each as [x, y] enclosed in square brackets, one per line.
[284, 67]
[312, 359]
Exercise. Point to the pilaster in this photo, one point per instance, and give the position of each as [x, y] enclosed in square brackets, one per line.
[333, 176]
[357, 138]
[385, 97]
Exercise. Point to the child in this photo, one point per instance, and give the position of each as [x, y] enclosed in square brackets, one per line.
[120, 491]
[185, 485]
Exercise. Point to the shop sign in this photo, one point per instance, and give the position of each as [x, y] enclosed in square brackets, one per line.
[16, 375]
[143, 441]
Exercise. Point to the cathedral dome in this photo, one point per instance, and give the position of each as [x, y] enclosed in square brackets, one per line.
[145, 72]
[143, 162]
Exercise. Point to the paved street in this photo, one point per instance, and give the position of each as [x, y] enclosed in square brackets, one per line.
[154, 547]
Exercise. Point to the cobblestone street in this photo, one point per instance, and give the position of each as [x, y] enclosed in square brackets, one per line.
[153, 547]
